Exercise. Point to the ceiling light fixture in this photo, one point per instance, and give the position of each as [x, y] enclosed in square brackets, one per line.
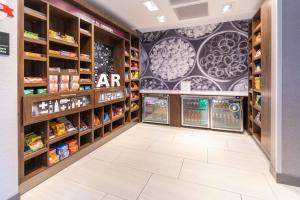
[227, 8]
[151, 6]
[161, 19]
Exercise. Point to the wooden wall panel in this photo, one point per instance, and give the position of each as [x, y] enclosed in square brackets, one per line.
[175, 110]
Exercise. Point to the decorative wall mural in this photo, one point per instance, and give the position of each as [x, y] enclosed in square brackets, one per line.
[172, 58]
[213, 57]
[223, 56]
[200, 83]
[151, 83]
[197, 32]
[103, 63]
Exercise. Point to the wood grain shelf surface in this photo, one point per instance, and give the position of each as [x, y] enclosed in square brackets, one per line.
[41, 59]
[57, 139]
[87, 131]
[29, 155]
[116, 118]
[88, 60]
[134, 109]
[35, 14]
[41, 41]
[57, 41]
[97, 126]
[63, 57]
[85, 33]
[31, 85]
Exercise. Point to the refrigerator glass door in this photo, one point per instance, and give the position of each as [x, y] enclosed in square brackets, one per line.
[195, 111]
[227, 114]
[156, 109]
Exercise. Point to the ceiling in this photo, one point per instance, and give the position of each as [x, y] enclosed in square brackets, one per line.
[135, 15]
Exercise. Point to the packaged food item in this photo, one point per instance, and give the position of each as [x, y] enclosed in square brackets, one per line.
[64, 155]
[53, 157]
[54, 34]
[28, 92]
[53, 79]
[257, 83]
[31, 54]
[68, 38]
[31, 35]
[83, 126]
[41, 91]
[63, 87]
[54, 69]
[106, 117]
[84, 56]
[71, 143]
[97, 121]
[73, 149]
[68, 125]
[33, 141]
[53, 88]
[54, 52]
[61, 148]
[58, 128]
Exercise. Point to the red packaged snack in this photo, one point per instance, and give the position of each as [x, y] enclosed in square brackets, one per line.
[71, 143]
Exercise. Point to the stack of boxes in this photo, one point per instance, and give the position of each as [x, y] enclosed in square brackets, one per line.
[62, 151]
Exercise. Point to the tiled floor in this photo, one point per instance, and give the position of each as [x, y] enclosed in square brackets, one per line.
[151, 162]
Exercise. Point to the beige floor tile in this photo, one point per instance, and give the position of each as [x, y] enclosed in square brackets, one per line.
[58, 188]
[111, 197]
[138, 143]
[227, 178]
[106, 153]
[237, 160]
[250, 198]
[180, 150]
[119, 181]
[163, 188]
[151, 162]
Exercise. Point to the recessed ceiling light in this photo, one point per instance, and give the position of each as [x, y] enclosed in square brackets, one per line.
[227, 8]
[161, 19]
[151, 6]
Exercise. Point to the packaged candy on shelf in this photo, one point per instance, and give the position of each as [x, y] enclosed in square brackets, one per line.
[53, 88]
[83, 126]
[63, 87]
[68, 125]
[34, 142]
[64, 155]
[97, 121]
[53, 79]
[106, 117]
[54, 52]
[68, 38]
[41, 91]
[73, 149]
[58, 128]
[61, 148]
[53, 157]
[71, 143]
[28, 92]
[31, 35]
[54, 34]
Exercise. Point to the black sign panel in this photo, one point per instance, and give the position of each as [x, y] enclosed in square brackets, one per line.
[4, 43]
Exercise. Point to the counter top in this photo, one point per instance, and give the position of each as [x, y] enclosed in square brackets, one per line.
[200, 93]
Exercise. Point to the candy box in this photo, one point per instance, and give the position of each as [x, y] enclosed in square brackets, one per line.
[64, 155]
[41, 91]
[61, 148]
[71, 143]
[28, 92]
[73, 149]
[53, 158]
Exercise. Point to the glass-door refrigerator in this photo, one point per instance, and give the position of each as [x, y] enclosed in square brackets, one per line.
[227, 114]
[155, 108]
[195, 111]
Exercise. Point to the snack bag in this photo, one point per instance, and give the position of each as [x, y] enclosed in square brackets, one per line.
[34, 142]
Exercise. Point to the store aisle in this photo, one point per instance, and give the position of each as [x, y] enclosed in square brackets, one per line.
[150, 162]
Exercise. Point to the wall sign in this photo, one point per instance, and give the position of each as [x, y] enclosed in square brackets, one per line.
[4, 43]
[5, 10]
[103, 81]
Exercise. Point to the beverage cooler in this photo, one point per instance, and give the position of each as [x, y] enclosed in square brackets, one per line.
[155, 108]
[227, 114]
[195, 111]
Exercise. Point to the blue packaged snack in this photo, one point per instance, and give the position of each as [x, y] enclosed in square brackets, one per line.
[106, 117]
[64, 155]
[61, 148]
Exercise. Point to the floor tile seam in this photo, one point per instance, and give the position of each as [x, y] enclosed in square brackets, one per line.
[144, 187]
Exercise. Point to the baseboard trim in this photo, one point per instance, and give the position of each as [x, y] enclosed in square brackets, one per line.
[43, 176]
[288, 179]
[15, 197]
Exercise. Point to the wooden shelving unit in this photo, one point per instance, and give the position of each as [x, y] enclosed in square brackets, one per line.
[39, 17]
[259, 103]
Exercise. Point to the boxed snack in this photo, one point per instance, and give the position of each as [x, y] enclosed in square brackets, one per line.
[68, 125]
[71, 143]
[33, 141]
[58, 128]
[64, 155]
[41, 91]
[53, 157]
[53, 79]
[61, 148]
[64, 79]
[53, 88]
[73, 149]
[63, 87]
[28, 92]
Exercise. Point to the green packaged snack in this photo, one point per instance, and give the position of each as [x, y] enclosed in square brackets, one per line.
[32, 35]
[28, 92]
[41, 91]
[203, 104]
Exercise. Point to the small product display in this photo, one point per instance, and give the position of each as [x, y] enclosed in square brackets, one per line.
[117, 111]
[83, 126]
[106, 117]
[258, 101]
[63, 83]
[53, 157]
[31, 35]
[135, 75]
[62, 150]
[110, 96]
[134, 65]
[63, 53]
[74, 83]
[195, 112]
[63, 70]
[29, 92]
[33, 142]
[33, 55]
[258, 68]
[59, 105]
[58, 36]
[68, 125]
[97, 121]
[85, 87]
[257, 83]
[34, 80]
[258, 54]
[72, 146]
[85, 70]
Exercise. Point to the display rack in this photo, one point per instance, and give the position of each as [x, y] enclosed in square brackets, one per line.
[259, 102]
[56, 46]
